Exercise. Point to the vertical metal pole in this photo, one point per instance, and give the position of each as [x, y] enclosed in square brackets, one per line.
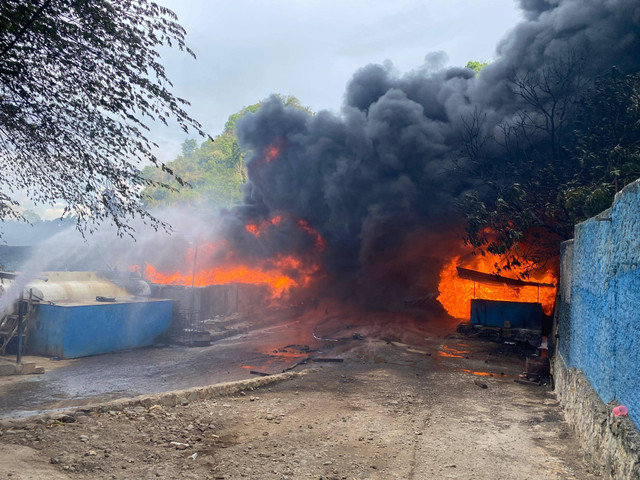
[191, 314]
[195, 258]
[20, 327]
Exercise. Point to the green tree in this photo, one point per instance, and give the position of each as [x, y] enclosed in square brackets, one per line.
[189, 147]
[79, 82]
[607, 147]
[214, 171]
[476, 66]
[559, 161]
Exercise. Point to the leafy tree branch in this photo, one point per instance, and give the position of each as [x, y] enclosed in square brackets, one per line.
[79, 82]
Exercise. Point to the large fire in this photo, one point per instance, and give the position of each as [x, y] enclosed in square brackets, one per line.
[279, 274]
[218, 264]
[455, 293]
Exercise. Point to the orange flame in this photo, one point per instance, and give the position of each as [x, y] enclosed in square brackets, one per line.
[479, 374]
[271, 153]
[280, 274]
[258, 229]
[216, 264]
[455, 293]
[320, 245]
[452, 352]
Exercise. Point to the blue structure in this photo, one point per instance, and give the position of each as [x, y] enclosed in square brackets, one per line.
[493, 313]
[599, 328]
[78, 330]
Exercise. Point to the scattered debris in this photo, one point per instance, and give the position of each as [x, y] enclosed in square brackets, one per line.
[302, 362]
[300, 348]
[262, 374]
[418, 351]
[328, 360]
[523, 380]
[317, 337]
[180, 445]
[63, 418]
[536, 366]
[480, 383]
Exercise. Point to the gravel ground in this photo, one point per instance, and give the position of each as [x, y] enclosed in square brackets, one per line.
[444, 409]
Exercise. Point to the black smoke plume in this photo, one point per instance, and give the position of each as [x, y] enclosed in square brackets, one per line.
[380, 182]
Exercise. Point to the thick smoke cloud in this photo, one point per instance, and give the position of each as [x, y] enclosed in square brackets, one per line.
[379, 181]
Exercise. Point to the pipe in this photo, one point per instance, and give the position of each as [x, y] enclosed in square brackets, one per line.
[20, 327]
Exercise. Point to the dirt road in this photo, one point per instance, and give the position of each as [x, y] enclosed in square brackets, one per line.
[390, 411]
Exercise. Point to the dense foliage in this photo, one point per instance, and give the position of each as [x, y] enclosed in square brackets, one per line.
[607, 145]
[214, 171]
[476, 66]
[574, 144]
[79, 79]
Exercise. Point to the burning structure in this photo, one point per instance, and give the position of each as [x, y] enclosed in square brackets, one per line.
[361, 207]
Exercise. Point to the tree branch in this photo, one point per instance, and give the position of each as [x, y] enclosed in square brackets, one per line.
[26, 27]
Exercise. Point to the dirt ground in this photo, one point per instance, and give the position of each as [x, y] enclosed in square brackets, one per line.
[388, 411]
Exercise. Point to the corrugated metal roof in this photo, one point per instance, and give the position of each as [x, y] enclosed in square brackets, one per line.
[497, 279]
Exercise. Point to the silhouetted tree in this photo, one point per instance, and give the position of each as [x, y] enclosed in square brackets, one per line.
[79, 80]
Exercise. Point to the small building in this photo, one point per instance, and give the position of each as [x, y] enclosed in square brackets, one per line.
[77, 314]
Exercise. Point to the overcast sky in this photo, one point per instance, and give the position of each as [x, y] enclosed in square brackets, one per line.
[248, 49]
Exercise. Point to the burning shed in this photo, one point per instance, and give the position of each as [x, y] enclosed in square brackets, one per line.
[468, 278]
[498, 312]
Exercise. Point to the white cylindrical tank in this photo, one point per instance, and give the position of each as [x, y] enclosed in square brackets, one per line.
[73, 286]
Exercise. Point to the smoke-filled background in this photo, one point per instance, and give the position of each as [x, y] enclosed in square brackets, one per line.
[363, 206]
[381, 182]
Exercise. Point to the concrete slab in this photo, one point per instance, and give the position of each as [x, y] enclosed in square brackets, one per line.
[8, 368]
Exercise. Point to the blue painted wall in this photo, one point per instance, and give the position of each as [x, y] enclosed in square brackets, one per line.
[601, 333]
[70, 331]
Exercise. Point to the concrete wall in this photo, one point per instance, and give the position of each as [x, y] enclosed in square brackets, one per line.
[598, 328]
[610, 443]
[563, 301]
[602, 335]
